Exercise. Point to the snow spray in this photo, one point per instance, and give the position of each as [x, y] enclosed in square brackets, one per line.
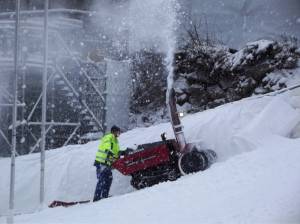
[148, 25]
[153, 25]
[170, 94]
[171, 45]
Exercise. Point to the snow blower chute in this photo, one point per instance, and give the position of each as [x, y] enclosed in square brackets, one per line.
[157, 162]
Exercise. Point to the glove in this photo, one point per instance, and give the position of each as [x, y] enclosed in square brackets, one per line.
[125, 152]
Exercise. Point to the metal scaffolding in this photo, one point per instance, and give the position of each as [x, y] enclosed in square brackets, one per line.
[57, 84]
[69, 82]
[71, 77]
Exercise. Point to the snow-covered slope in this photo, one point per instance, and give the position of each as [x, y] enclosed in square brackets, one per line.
[256, 178]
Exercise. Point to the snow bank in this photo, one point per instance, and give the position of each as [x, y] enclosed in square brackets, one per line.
[242, 190]
[262, 185]
[282, 120]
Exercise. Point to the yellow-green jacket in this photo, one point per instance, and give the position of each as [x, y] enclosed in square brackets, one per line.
[108, 150]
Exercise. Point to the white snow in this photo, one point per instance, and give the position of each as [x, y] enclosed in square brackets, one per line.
[256, 178]
[261, 45]
[236, 59]
[288, 77]
[243, 54]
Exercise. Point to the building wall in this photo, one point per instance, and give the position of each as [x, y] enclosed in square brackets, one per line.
[9, 5]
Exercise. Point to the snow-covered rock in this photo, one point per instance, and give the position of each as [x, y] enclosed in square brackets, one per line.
[217, 75]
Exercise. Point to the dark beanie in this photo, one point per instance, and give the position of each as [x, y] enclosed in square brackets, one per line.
[115, 128]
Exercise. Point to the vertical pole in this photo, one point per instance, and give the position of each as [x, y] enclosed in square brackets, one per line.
[44, 106]
[23, 148]
[104, 116]
[14, 117]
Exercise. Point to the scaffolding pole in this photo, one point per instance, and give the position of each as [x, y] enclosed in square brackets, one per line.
[14, 117]
[44, 106]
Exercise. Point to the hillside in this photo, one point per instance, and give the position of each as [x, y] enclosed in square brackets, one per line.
[255, 180]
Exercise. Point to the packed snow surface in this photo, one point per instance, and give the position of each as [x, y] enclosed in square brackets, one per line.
[255, 180]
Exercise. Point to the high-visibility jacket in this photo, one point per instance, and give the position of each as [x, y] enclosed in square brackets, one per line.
[108, 150]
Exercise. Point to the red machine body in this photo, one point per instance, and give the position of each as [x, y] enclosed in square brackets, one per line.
[162, 161]
[143, 159]
[151, 163]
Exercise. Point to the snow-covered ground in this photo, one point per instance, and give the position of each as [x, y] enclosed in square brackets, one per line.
[255, 180]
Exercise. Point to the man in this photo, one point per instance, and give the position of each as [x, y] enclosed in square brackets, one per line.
[108, 152]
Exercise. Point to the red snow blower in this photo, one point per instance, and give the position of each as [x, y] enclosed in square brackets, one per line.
[161, 161]
[157, 162]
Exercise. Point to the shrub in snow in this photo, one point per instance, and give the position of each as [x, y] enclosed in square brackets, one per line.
[149, 81]
[216, 74]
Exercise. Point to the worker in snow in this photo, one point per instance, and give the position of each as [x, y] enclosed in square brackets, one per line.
[108, 152]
